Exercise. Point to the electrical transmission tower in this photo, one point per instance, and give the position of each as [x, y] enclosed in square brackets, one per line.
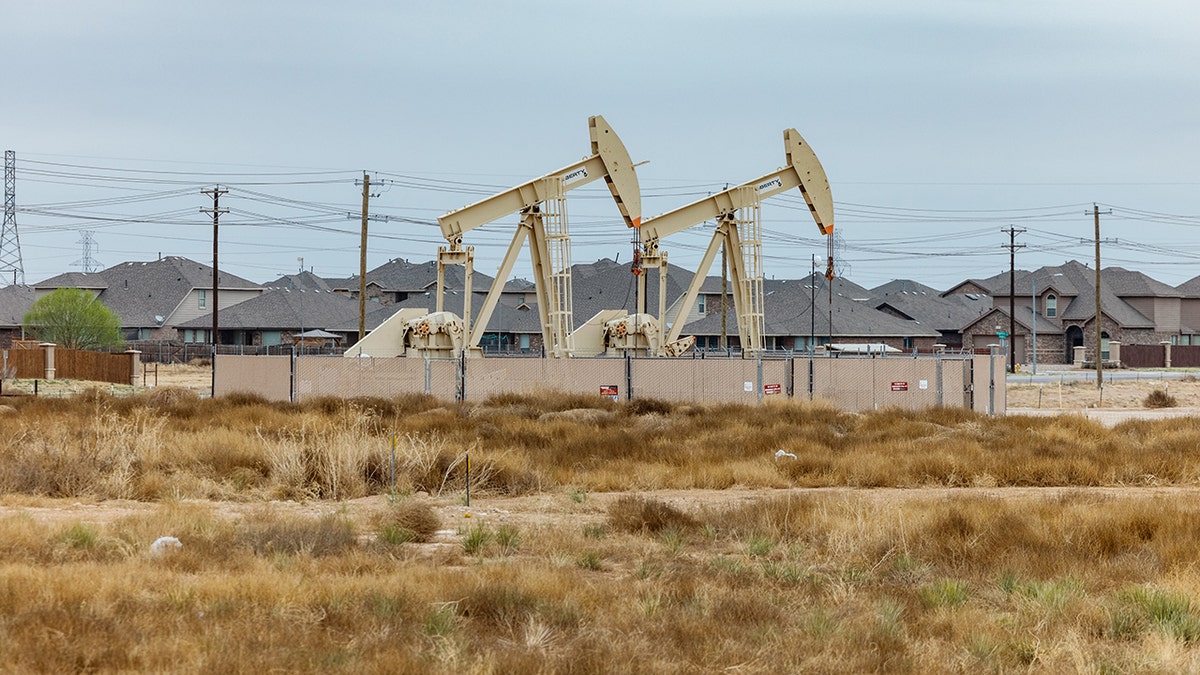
[87, 262]
[11, 266]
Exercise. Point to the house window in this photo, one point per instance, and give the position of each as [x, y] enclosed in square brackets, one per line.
[701, 306]
[1103, 346]
[1052, 305]
[908, 343]
[203, 299]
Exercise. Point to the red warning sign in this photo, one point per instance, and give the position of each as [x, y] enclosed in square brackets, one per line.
[770, 389]
[899, 386]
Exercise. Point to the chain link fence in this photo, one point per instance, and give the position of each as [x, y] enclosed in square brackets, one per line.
[855, 383]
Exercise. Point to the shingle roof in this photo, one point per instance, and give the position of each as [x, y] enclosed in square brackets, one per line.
[286, 309]
[946, 314]
[903, 286]
[1190, 288]
[508, 317]
[1083, 305]
[15, 301]
[303, 280]
[139, 292]
[607, 284]
[92, 281]
[1128, 283]
[1076, 283]
[788, 308]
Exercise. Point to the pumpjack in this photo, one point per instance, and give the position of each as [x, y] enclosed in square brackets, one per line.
[541, 203]
[738, 233]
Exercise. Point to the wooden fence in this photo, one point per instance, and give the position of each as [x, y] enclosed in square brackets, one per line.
[1143, 356]
[23, 363]
[69, 364]
[1155, 356]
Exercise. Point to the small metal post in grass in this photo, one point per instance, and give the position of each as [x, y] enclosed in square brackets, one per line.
[468, 480]
[393, 466]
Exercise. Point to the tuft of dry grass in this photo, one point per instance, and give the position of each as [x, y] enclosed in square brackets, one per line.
[405, 521]
[267, 533]
[632, 513]
[1160, 398]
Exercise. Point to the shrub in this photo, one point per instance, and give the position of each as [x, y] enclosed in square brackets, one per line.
[638, 514]
[328, 535]
[408, 521]
[1159, 398]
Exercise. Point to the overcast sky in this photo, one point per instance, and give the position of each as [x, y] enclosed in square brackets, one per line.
[938, 123]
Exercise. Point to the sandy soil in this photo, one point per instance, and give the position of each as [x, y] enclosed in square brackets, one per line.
[1116, 394]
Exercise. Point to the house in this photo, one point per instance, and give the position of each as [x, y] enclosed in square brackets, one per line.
[15, 301]
[302, 280]
[1135, 309]
[802, 313]
[153, 298]
[608, 284]
[277, 316]
[398, 280]
[947, 314]
[1189, 312]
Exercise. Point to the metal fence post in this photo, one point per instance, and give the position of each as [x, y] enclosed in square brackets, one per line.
[428, 376]
[760, 378]
[812, 373]
[628, 376]
[937, 378]
[992, 379]
[461, 390]
[292, 374]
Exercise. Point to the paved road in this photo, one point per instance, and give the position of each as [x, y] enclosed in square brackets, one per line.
[1044, 377]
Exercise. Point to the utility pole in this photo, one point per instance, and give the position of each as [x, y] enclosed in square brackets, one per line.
[10, 243]
[362, 259]
[216, 212]
[1099, 361]
[1012, 247]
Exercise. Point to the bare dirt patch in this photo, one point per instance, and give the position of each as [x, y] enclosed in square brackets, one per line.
[1115, 394]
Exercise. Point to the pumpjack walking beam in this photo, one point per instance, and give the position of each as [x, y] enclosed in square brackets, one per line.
[540, 203]
[803, 170]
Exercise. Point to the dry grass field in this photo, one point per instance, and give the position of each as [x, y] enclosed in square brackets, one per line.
[601, 537]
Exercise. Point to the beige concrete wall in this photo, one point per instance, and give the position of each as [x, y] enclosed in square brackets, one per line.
[707, 380]
[872, 384]
[367, 376]
[267, 376]
[983, 386]
[852, 384]
[489, 377]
